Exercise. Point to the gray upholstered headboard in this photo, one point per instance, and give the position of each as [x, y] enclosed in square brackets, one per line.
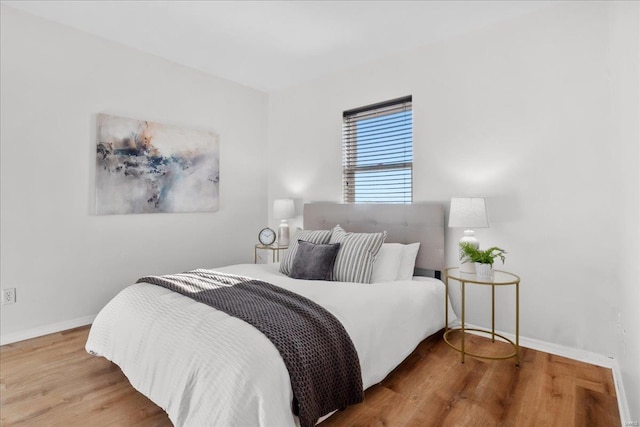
[418, 222]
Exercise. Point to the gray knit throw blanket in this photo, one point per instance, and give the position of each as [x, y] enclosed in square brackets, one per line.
[322, 362]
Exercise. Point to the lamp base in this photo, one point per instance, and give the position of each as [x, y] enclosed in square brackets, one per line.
[283, 233]
[466, 266]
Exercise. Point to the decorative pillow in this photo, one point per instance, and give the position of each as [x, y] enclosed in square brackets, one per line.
[385, 267]
[408, 261]
[314, 262]
[357, 253]
[311, 236]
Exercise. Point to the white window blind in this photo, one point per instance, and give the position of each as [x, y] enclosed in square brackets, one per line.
[377, 153]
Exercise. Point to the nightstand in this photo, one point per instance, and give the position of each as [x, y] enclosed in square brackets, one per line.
[275, 251]
[500, 278]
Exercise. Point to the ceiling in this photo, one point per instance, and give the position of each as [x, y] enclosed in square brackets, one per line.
[271, 45]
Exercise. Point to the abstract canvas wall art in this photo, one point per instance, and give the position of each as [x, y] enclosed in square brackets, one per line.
[146, 167]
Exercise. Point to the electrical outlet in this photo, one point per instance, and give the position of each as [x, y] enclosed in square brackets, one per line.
[8, 296]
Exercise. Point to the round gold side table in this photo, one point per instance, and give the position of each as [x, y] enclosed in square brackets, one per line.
[500, 278]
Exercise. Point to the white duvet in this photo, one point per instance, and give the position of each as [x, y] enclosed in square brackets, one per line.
[205, 368]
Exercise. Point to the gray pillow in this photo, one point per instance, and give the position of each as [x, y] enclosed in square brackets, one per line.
[313, 236]
[314, 262]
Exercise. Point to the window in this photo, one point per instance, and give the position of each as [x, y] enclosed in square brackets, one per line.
[377, 153]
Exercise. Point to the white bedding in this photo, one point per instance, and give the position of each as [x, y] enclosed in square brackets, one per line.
[204, 367]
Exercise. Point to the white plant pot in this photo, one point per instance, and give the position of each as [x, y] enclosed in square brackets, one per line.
[484, 271]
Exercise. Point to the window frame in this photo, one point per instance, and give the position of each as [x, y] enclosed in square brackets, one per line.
[350, 147]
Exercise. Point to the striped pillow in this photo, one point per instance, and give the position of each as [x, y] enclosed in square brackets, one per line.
[357, 253]
[319, 237]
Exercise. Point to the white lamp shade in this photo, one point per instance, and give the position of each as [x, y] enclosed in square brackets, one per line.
[283, 209]
[468, 212]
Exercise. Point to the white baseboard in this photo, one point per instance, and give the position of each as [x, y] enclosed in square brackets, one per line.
[623, 403]
[579, 355]
[46, 329]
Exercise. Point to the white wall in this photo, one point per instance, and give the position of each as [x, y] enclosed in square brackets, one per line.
[523, 113]
[65, 261]
[625, 113]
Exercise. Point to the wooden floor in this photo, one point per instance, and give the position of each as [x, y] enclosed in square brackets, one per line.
[51, 381]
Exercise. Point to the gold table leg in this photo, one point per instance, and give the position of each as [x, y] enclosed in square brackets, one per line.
[518, 324]
[493, 313]
[463, 334]
[446, 304]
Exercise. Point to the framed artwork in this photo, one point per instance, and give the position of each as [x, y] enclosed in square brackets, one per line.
[147, 167]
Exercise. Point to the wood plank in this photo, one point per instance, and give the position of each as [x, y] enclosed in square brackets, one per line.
[51, 380]
[592, 408]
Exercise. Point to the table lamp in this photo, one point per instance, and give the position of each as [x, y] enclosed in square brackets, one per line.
[283, 209]
[468, 213]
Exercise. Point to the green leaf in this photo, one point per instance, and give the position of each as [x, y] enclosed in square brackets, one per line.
[487, 256]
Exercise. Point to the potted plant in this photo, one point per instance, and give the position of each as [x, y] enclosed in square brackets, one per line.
[483, 259]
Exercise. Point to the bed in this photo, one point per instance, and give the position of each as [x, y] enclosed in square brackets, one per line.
[204, 367]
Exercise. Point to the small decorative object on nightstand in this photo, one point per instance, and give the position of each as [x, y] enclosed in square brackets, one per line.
[283, 209]
[266, 236]
[500, 278]
[468, 213]
[483, 259]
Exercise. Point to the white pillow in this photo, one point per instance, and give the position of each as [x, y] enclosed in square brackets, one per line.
[385, 267]
[408, 261]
